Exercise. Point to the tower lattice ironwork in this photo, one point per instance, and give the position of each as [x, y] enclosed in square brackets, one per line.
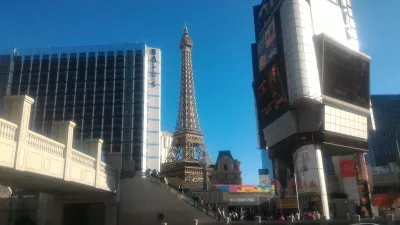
[188, 153]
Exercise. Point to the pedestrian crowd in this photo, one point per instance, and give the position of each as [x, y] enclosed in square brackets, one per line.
[213, 209]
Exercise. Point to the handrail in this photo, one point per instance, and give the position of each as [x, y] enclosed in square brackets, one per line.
[167, 187]
[45, 144]
[7, 129]
[8, 123]
[82, 158]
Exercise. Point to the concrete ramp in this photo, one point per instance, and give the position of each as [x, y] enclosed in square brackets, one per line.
[145, 203]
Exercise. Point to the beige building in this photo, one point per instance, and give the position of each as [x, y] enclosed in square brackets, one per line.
[226, 170]
[166, 142]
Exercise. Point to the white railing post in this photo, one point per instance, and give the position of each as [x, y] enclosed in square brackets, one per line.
[94, 149]
[63, 132]
[17, 109]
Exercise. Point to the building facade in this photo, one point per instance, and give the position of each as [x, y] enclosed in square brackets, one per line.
[311, 118]
[110, 92]
[226, 170]
[384, 141]
[166, 142]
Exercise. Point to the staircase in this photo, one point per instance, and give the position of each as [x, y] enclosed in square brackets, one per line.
[174, 192]
[170, 189]
[142, 202]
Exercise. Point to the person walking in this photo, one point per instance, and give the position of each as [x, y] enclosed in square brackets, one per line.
[194, 200]
[201, 204]
[208, 207]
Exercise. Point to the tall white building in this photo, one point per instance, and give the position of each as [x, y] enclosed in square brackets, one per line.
[165, 142]
[312, 91]
[152, 111]
[111, 92]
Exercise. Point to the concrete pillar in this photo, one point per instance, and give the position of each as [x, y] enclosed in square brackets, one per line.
[45, 207]
[17, 109]
[56, 215]
[321, 175]
[63, 132]
[114, 159]
[111, 213]
[94, 149]
[310, 157]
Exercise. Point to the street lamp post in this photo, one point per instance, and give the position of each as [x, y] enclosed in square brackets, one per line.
[204, 164]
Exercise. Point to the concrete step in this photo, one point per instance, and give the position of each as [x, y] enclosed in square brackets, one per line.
[143, 202]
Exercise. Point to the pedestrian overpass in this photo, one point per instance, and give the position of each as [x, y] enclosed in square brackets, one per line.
[67, 182]
[34, 162]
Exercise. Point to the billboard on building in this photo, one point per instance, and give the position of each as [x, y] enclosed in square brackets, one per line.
[266, 45]
[344, 73]
[306, 168]
[347, 168]
[284, 180]
[262, 14]
[270, 92]
[245, 188]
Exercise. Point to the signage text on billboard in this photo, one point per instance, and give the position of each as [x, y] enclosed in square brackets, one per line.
[347, 168]
[152, 73]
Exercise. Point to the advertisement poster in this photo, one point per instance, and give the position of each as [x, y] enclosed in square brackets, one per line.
[266, 46]
[306, 168]
[285, 185]
[362, 185]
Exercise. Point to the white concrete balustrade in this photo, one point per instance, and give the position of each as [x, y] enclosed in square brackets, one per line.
[7, 143]
[26, 151]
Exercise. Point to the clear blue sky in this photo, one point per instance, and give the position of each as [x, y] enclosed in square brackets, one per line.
[222, 32]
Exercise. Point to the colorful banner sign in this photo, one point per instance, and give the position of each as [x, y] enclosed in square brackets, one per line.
[266, 46]
[246, 188]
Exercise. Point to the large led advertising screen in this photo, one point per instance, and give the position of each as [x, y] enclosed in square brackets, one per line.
[263, 13]
[266, 45]
[344, 73]
[270, 92]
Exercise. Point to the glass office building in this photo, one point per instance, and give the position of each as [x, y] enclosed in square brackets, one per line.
[384, 141]
[110, 92]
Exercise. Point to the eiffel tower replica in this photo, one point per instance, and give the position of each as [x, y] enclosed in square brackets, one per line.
[188, 158]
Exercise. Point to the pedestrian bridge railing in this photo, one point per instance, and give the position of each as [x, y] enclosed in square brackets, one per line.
[24, 150]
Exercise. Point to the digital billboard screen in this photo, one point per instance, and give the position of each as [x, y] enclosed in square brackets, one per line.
[270, 92]
[266, 45]
[263, 14]
[344, 73]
